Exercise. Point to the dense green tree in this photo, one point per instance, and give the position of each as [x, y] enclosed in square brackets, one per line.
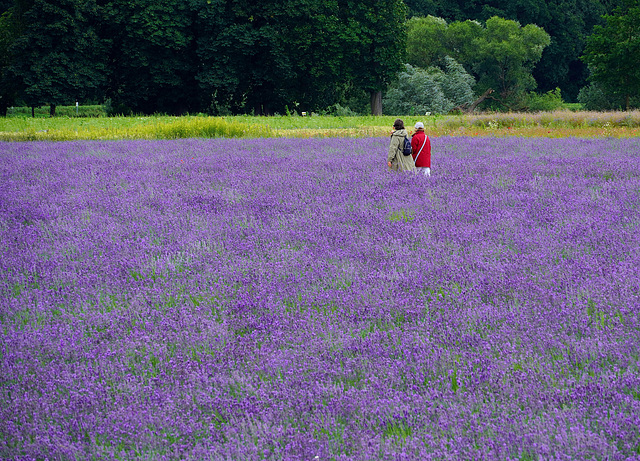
[57, 56]
[451, 10]
[568, 22]
[426, 42]
[151, 56]
[504, 58]
[5, 5]
[430, 39]
[501, 54]
[457, 85]
[259, 55]
[462, 39]
[416, 92]
[613, 53]
[593, 97]
[319, 43]
[219, 73]
[8, 88]
[215, 55]
[277, 56]
[298, 54]
[376, 48]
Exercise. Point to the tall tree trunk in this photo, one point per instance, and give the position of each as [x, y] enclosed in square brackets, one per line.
[33, 111]
[376, 103]
[52, 110]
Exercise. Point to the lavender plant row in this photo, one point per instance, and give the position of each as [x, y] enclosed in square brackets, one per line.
[292, 299]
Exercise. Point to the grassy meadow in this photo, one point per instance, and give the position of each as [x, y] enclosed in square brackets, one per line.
[22, 127]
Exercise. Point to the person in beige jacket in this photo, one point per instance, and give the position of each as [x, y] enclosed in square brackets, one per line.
[396, 160]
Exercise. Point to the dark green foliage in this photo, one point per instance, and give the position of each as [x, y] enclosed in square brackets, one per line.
[426, 41]
[150, 56]
[568, 22]
[240, 51]
[275, 56]
[376, 44]
[5, 5]
[58, 56]
[298, 55]
[8, 87]
[216, 56]
[82, 111]
[613, 53]
[592, 97]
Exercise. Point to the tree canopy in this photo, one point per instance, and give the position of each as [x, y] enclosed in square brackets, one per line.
[241, 56]
[568, 22]
[57, 55]
[150, 55]
[500, 54]
[8, 87]
[613, 53]
[220, 56]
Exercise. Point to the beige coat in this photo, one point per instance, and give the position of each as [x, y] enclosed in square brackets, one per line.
[399, 162]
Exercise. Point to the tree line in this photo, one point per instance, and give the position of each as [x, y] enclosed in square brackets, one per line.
[496, 58]
[216, 56]
[593, 55]
[239, 56]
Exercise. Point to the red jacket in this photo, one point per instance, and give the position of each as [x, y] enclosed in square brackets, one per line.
[424, 160]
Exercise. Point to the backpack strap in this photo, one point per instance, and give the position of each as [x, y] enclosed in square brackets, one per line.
[400, 143]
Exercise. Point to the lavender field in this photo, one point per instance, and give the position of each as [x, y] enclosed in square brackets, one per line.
[292, 299]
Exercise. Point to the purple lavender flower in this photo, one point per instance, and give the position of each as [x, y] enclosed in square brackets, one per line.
[292, 299]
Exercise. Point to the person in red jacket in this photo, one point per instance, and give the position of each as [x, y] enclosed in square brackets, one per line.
[421, 147]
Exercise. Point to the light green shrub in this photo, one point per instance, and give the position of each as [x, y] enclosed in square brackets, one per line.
[549, 101]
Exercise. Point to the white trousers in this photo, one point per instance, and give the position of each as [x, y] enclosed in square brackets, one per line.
[424, 170]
